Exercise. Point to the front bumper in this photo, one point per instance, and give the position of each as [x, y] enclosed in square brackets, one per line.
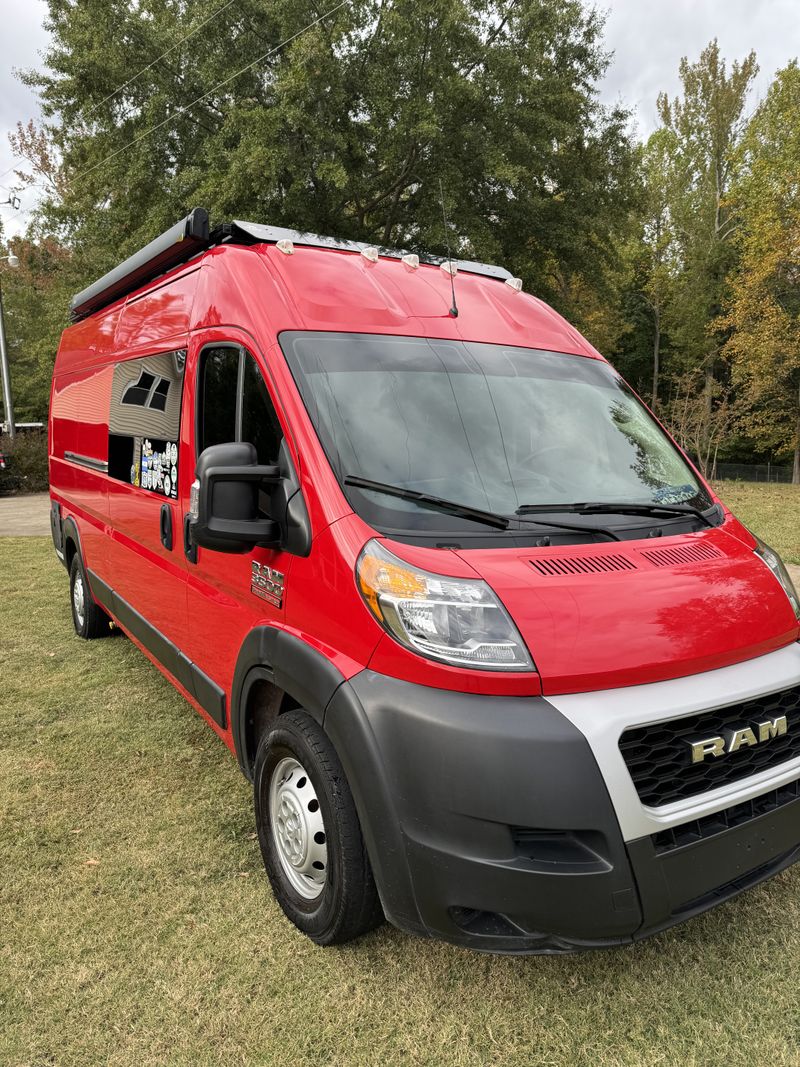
[492, 822]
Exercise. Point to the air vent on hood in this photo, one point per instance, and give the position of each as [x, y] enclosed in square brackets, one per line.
[582, 565]
[673, 557]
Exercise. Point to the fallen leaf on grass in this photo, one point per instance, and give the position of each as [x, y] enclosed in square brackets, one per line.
[92, 862]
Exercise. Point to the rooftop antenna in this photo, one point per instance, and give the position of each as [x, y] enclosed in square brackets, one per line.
[450, 271]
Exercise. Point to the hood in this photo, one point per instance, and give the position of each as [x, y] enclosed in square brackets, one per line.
[606, 615]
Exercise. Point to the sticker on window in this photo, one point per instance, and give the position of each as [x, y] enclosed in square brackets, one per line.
[144, 422]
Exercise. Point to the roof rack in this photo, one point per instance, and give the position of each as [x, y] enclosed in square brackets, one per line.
[192, 235]
[256, 233]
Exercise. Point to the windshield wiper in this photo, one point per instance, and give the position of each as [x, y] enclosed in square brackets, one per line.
[449, 507]
[602, 508]
[620, 508]
[437, 503]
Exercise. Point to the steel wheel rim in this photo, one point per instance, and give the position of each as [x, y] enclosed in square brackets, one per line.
[298, 829]
[78, 599]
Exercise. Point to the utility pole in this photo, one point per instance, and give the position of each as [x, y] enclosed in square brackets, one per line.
[8, 403]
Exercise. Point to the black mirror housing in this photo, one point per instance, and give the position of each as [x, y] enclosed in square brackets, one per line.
[227, 518]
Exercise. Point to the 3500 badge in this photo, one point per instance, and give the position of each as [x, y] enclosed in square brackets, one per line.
[267, 583]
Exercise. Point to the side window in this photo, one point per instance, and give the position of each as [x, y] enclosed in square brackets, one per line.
[144, 422]
[219, 379]
[235, 405]
[259, 423]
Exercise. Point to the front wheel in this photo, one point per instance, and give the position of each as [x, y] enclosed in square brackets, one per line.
[310, 835]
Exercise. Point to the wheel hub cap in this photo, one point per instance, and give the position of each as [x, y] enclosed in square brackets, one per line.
[78, 599]
[298, 829]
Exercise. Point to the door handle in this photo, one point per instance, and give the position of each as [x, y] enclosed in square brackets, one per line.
[189, 547]
[166, 527]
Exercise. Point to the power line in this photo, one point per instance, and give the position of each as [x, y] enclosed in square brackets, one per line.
[8, 172]
[14, 167]
[144, 70]
[213, 89]
[172, 48]
[22, 213]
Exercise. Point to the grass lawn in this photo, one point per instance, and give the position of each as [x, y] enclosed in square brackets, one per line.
[772, 511]
[138, 928]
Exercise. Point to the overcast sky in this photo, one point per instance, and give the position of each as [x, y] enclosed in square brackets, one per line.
[648, 38]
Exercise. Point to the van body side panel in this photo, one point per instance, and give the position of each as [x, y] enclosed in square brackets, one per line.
[79, 429]
[160, 313]
[144, 402]
[79, 454]
[141, 570]
[150, 577]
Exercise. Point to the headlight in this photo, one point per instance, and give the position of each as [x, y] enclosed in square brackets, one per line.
[459, 621]
[776, 565]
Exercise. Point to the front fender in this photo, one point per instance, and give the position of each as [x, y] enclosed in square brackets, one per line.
[293, 666]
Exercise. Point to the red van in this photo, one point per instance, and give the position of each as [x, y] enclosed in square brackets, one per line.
[499, 664]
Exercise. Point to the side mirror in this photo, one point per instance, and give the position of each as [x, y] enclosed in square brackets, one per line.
[224, 507]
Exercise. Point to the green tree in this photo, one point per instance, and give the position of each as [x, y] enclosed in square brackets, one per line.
[764, 309]
[35, 298]
[705, 124]
[654, 250]
[346, 130]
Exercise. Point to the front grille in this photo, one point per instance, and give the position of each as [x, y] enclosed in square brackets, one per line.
[689, 833]
[658, 756]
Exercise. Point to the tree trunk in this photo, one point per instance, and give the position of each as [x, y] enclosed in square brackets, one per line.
[709, 386]
[656, 354]
[796, 471]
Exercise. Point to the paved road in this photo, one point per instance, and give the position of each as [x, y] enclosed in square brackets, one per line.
[28, 516]
[25, 516]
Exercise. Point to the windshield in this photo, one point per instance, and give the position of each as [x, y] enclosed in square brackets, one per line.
[487, 426]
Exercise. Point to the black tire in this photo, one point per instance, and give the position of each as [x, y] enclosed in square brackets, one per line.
[93, 621]
[347, 904]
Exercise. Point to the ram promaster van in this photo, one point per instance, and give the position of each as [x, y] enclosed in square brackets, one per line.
[499, 664]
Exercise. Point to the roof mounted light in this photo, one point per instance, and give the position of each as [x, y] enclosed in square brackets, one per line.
[370, 253]
[515, 283]
[411, 260]
[449, 267]
[241, 232]
[285, 246]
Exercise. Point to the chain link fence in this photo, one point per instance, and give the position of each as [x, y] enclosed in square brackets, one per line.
[752, 472]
